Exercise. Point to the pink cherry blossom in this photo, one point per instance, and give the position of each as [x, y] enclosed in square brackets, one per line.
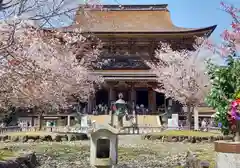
[181, 76]
[46, 66]
[232, 36]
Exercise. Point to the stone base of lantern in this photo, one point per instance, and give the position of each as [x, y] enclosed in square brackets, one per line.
[227, 154]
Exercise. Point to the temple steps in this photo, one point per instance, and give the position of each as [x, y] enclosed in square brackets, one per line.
[148, 121]
[126, 123]
[143, 120]
[100, 119]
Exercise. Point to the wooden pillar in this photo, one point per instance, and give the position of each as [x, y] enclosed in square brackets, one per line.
[133, 95]
[133, 100]
[111, 99]
[94, 102]
[133, 103]
[32, 121]
[111, 94]
[152, 100]
[90, 105]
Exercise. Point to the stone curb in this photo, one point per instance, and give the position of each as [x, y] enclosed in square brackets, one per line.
[41, 138]
[25, 161]
[190, 139]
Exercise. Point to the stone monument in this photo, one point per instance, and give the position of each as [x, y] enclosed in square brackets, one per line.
[173, 122]
[104, 147]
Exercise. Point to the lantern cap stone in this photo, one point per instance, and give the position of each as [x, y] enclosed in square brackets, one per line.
[120, 101]
[107, 128]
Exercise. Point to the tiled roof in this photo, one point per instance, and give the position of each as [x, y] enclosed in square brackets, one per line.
[129, 18]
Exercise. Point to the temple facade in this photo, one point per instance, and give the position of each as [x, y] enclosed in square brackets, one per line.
[130, 34]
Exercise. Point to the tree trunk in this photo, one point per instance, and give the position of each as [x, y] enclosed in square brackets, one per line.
[39, 122]
[189, 116]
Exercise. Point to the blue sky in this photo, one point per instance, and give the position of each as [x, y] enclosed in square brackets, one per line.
[192, 13]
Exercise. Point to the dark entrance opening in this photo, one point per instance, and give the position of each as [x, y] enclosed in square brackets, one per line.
[102, 97]
[103, 148]
[160, 102]
[142, 97]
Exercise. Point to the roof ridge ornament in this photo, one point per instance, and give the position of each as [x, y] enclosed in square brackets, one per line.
[134, 7]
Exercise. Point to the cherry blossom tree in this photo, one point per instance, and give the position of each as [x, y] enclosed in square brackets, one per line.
[181, 76]
[43, 13]
[42, 66]
[47, 67]
[47, 13]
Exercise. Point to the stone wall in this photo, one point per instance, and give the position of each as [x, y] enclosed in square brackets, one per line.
[190, 139]
[41, 138]
[190, 160]
[25, 161]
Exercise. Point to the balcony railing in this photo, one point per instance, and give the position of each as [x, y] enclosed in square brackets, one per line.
[123, 62]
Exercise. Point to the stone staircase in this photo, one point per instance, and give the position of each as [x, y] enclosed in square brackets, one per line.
[126, 122]
[100, 119]
[148, 121]
[143, 120]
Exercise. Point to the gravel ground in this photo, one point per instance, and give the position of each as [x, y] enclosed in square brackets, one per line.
[133, 153]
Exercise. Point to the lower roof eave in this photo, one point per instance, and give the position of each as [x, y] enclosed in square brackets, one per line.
[130, 78]
[207, 30]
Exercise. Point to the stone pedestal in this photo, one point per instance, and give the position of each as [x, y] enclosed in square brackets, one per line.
[119, 122]
[173, 122]
[227, 154]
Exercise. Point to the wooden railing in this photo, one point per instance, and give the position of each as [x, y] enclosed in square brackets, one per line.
[146, 130]
[3, 130]
[140, 130]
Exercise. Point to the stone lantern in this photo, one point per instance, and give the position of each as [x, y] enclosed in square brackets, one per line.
[120, 109]
[104, 147]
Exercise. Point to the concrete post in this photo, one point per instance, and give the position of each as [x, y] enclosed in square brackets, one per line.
[196, 119]
[68, 120]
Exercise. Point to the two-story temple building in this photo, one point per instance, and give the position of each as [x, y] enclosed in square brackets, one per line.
[131, 33]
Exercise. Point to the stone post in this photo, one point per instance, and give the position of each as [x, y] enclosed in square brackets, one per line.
[196, 119]
[68, 120]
